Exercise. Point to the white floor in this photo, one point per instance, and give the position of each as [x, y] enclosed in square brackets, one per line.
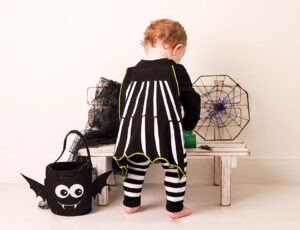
[254, 206]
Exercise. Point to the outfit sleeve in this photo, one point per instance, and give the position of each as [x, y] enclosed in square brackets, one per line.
[189, 99]
[122, 94]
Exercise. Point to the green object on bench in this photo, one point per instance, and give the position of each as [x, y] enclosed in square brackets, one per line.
[189, 139]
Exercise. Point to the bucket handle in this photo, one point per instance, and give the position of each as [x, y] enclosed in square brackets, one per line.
[84, 141]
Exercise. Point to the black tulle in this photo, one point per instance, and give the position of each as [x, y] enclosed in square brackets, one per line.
[103, 121]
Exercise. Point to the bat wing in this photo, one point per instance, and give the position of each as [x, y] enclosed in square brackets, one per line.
[100, 182]
[38, 188]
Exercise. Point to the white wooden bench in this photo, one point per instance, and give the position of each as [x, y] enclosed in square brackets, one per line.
[225, 155]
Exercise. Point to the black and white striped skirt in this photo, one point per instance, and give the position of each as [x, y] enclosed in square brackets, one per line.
[150, 125]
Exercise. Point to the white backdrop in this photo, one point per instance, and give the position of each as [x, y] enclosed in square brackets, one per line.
[51, 51]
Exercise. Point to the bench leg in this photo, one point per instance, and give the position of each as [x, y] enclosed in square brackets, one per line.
[111, 179]
[100, 163]
[217, 168]
[225, 191]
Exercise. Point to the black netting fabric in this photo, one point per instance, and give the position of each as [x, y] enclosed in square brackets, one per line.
[103, 122]
[103, 118]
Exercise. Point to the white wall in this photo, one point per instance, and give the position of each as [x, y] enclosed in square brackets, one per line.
[51, 51]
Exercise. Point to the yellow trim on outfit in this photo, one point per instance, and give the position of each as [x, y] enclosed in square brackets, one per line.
[152, 162]
[176, 79]
[138, 153]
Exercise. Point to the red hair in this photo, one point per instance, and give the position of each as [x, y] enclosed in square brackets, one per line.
[166, 31]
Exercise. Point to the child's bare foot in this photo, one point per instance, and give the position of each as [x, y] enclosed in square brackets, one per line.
[130, 210]
[184, 212]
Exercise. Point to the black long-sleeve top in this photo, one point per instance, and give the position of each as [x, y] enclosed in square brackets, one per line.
[189, 98]
[150, 99]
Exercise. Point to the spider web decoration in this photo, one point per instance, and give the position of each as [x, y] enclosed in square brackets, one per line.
[224, 108]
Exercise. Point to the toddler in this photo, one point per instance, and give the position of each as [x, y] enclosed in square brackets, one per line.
[151, 124]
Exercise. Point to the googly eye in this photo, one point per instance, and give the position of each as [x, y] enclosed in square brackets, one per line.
[76, 190]
[61, 191]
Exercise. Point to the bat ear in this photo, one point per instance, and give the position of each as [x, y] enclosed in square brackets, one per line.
[50, 173]
[100, 182]
[85, 170]
[38, 188]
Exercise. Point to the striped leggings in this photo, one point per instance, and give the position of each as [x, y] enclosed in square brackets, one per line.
[137, 166]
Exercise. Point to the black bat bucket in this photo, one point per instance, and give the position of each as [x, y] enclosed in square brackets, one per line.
[68, 185]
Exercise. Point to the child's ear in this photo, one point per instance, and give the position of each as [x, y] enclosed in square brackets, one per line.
[146, 48]
[176, 49]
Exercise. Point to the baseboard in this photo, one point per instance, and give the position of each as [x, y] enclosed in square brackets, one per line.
[249, 170]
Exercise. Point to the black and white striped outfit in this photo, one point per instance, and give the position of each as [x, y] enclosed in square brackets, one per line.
[137, 169]
[151, 123]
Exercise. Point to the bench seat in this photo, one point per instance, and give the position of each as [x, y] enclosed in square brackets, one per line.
[225, 155]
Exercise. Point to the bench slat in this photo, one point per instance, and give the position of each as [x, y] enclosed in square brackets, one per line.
[233, 154]
[108, 151]
[219, 145]
[219, 142]
[218, 150]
